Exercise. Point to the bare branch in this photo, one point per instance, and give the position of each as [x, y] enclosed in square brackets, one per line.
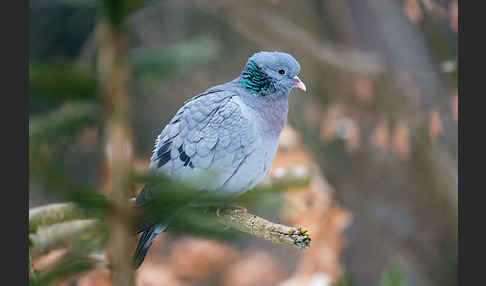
[59, 235]
[262, 228]
[54, 213]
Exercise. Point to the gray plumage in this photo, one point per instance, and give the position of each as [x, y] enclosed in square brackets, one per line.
[224, 140]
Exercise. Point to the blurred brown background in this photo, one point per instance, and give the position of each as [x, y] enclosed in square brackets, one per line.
[379, 121]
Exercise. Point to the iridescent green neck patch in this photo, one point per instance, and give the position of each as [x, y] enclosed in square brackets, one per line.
[255, 79]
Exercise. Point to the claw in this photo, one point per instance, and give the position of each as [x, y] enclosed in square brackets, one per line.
[242, 209]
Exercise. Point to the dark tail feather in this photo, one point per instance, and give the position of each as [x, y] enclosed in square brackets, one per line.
[145, 242]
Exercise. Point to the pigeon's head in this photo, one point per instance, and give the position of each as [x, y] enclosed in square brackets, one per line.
[269, 73]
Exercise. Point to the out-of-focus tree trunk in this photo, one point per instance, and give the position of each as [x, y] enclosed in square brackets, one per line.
[113, 76]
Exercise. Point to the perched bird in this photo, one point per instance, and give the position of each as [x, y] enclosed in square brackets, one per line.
[224, 140]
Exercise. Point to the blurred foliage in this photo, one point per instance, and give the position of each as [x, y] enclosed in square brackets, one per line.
[165, 194]
[393, 277]
[53, 83]
[61, 81]
[65, 269]
[200, 222]
[166, 61]
[344, 281]
[117, 10]
[61, 125]
[56, 181]
[76, 259]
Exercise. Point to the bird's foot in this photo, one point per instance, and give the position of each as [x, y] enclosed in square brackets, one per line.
[240, 208]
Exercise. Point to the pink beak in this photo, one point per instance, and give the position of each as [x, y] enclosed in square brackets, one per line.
[299, 83]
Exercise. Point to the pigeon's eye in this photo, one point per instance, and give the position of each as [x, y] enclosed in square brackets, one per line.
[282, 72]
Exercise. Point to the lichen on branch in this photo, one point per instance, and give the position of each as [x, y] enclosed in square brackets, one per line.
[262, 228]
